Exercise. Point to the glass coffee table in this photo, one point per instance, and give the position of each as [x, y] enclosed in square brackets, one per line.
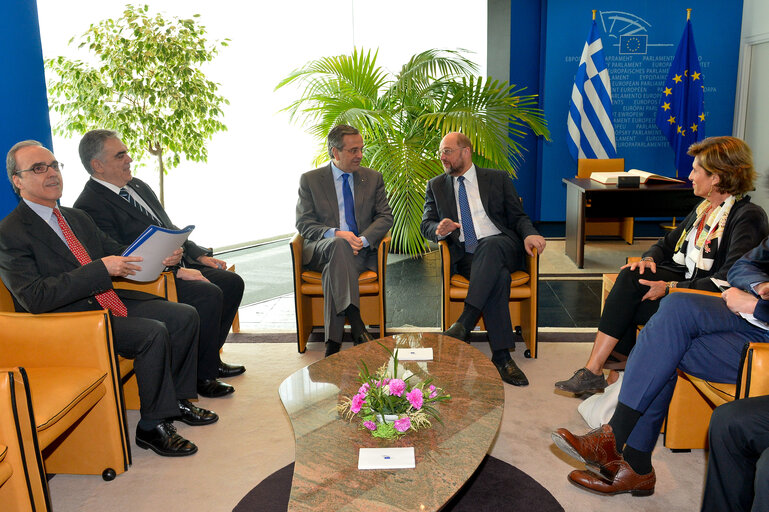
[326, 474]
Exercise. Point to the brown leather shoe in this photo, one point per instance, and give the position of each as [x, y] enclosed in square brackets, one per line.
[625, 480]
[597, 447]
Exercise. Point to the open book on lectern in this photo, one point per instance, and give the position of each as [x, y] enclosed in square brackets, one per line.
[155, 245]
[610, 178]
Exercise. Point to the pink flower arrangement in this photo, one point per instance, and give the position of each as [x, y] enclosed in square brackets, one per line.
[415, 398]
[397, 387]
[403, 424]
[398, 395]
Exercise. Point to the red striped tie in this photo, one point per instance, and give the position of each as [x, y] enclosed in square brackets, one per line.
[108, 299]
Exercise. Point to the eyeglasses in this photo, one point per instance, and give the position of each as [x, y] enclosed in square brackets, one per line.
[447, 151]
[43, 168]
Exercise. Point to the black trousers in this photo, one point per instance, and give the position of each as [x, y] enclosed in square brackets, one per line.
[217, 304]
[738, 466]
[488, 269]
[162, 339]
[624, 310]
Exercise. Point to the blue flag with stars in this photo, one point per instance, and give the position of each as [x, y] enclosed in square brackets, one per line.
[681, 112]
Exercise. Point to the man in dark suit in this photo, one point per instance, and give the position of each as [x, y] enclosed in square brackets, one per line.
[343, 214]
[123, 207]
[701, 335]
[55, 259]
[478, 212]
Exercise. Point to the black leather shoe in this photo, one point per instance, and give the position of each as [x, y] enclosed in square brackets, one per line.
[164, 441]
[511, 374]
[194, 415]
[332, 347]
[458, 331]
[213, 388]
[230, 370]
[364, 337]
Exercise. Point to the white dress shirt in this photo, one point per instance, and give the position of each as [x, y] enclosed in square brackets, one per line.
[481, 222]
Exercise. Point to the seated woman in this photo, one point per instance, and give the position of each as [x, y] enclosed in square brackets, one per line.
[713, 236]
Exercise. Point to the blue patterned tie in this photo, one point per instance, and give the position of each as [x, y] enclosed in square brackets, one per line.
[349, 204]
[128, 197]
[471, 241]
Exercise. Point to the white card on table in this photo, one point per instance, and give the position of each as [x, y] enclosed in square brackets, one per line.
[386, 458]
[415, 354]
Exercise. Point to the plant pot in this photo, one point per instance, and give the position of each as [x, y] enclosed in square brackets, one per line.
[388, 418]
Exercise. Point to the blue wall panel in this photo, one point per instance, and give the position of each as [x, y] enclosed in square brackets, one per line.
[23, 100]
[637, 77]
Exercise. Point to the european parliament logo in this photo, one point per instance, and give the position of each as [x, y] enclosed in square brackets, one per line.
[633, 44]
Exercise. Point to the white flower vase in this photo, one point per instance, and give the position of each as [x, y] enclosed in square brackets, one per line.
[388, 418]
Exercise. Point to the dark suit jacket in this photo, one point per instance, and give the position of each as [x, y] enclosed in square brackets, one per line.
[42, 273]
[317, 209]
[500, 201]
[753, 268]
[124, 222]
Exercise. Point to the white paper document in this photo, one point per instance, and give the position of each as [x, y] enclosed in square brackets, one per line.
[386, 458]
[415, 354]
[155, 245]
[723, 286]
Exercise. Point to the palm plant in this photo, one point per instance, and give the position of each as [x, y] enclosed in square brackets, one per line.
[403, 117]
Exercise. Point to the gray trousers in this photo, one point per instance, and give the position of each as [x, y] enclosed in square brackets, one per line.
[340, 269]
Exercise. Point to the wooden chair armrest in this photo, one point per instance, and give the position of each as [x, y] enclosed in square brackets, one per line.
[533, 265]
[164, 286]
[692, 290]
[383, 249]
[57, 339]
[754, 375]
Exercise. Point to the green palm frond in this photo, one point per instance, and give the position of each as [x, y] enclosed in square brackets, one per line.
[403, 117]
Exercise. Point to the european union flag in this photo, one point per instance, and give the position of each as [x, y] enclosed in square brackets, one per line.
[681, 113]
[634, 44]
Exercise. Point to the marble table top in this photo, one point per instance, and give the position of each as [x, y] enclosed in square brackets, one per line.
[326, 474]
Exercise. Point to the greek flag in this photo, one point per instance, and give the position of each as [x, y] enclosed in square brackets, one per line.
[590, 125]
[681, 112]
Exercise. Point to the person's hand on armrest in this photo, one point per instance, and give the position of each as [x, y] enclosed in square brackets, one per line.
[190, 274]
[534, 242]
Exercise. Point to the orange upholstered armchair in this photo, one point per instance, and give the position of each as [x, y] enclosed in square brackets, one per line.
[622, 227]
[71, 419]
[523, 298]
[694, 399]
[308, 293]
[23, 486]
[164, 286]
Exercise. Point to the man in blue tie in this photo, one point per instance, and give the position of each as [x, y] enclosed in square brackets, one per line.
[478, 212]
[342, 214]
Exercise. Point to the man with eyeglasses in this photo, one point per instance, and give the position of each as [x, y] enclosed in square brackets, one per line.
[478, 212]
[342, 214]
[123, 207]
[55, 259]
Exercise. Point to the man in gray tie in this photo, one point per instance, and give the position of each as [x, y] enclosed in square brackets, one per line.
[478, 212]
[342, 214]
